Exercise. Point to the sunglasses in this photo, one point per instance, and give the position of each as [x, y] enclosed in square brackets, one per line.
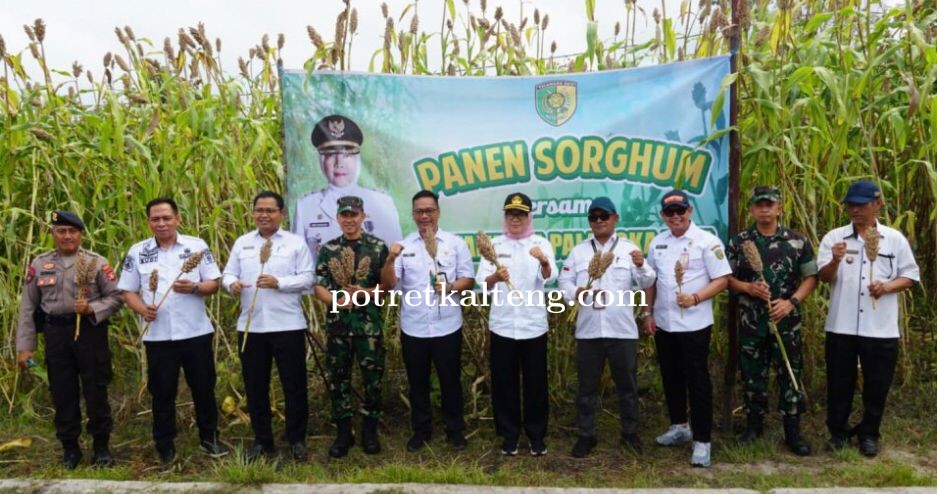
[593, 217]
[672, 211]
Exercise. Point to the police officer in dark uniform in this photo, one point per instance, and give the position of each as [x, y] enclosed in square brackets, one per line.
[77, 362]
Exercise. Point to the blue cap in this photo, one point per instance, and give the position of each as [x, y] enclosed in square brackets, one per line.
[862, 192]
[674, 198]
[603, 203]
[66, 218]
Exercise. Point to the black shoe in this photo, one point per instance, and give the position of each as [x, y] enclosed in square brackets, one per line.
[792, 436]
[258, 451]
[836, 443]
[538, 448]
[344, 439]
[298, 450]
[166, 454]
[369, 441]
[509, 447]
[71, 458]
[584, 445]
[214, 448]
[102, 456]
[868, 446]
[456, 440]
[754, 428]
[632, 442]
[417, 441]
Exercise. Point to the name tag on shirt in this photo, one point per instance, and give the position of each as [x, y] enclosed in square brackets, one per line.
[319, 225]
[408, 254]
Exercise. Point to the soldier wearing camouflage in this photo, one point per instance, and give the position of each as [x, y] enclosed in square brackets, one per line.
[788, 264]
[355, 332]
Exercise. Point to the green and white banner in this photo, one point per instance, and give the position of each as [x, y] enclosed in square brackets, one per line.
[630, 134]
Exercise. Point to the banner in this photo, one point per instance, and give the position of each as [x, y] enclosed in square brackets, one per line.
[563, 139]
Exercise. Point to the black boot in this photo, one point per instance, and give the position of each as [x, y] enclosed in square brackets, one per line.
[344, 440]
[792, 436]
[102, 453]
[369, 441]
[754, 427]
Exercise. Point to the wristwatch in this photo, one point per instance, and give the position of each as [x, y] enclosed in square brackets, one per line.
[195, 289]
[796, 301]
[645, 314]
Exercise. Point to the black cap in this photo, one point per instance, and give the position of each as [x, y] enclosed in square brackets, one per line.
[674, 198]
[517, 202]
[350, 203]
[337, 133]
[66, 218]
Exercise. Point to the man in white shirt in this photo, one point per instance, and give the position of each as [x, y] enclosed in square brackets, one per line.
[862, 321]
[179, 334]
[519, 330]
[431, 318]
[277, 322]
[605, 326]
[681, 321]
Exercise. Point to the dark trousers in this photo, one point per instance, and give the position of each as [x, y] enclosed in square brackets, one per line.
[196, 358]
[288, 349]
[514, 361]
[878, 357]
[622, 356]
[684, 367]
[69, 362]
[445, 353]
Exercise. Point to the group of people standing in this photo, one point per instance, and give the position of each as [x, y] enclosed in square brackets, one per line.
[770, 268]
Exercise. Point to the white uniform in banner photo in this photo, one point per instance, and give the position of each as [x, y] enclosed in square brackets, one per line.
[338, 140]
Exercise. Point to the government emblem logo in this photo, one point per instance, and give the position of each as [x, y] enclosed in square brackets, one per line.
[555, 101]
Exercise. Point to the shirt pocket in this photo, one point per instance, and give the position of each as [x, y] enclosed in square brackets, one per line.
[884, 267]
[416, 273]
[280, 264]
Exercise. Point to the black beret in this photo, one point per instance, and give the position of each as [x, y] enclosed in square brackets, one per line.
[67, 218]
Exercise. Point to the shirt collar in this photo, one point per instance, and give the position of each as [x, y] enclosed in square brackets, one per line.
[855, 234]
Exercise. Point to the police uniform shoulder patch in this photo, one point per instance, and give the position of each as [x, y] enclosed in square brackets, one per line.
[129, 263]
[108, 272]
[30, 275]
[207, 257]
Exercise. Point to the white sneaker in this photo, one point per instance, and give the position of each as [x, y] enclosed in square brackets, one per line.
[701, 454]
[676, 434]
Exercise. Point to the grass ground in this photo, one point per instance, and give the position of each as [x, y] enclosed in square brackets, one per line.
[907, 457]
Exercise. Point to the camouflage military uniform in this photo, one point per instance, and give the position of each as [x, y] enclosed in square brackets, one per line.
[788, 258]
[354, 334]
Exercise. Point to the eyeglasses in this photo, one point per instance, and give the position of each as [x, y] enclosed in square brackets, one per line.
[425, 212]
[266, 210]
[599, 216]
[339, 152]
[515, 216]
[674, 211]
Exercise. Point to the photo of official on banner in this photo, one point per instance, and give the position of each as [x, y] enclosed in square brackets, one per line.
[630, 134]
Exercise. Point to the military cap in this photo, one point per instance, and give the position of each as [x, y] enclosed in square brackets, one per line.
[350, 203]
[66, 218]
[604, 204]
[862, 192]
[674, 198]
[517, 202]
[337, 133]
[765, 193]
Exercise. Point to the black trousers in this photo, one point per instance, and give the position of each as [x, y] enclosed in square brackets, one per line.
[878, 357]
[196, 358]
[88, 362]
[288, 349]
[622, 357]
[445, 353]
[512, 362]
[684, 368]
